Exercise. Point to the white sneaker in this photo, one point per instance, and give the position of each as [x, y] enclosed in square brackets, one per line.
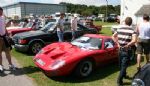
[12, 67]
[1, 68]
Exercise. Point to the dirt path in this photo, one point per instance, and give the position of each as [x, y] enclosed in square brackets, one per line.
[14, 78]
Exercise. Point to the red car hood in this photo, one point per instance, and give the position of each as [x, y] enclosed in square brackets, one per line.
[57, 50]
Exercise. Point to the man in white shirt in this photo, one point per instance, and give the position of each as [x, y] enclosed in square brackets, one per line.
[74, 21]
[60, 27]
[3, 45]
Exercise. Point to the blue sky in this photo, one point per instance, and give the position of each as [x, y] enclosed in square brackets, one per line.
[87, 2]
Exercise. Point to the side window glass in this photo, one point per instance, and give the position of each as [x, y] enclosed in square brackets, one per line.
[109, 42]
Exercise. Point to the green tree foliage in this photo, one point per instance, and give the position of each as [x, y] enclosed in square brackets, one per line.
[91, 10]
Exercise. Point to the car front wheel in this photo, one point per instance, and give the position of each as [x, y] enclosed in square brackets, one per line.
[84, 68]
[35, 47]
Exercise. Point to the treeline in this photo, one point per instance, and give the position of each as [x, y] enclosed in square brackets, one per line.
[91, 10]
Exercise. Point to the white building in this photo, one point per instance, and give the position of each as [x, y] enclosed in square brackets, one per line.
[134, 9]
[23, 9]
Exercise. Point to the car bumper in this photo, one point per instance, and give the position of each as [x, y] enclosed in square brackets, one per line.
[23, 48]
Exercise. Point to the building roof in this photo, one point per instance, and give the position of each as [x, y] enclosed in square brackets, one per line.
[143, 10]
[16, 3]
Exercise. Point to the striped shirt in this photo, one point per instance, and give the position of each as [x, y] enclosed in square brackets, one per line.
[125, 34]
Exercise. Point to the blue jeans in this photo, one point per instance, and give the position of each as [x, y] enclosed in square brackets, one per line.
[60, 35]
[73, 35]
[124, 58]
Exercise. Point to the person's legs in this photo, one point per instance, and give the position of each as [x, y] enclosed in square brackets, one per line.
[73, 35]
[139, 54]
[8, 56]
[147, 51]
[124, 64]
[60, 36]
[1, 48]
[1, 44]
[139, 60]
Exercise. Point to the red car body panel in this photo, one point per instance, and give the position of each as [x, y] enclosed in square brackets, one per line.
[18, 30]
[72, 55]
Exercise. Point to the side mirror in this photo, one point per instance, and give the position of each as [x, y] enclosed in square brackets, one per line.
[106, 46]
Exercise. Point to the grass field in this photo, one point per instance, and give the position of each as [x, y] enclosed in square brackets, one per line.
[103, 76]
[104, 23]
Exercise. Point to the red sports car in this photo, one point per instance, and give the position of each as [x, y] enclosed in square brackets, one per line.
[79, 57]
[14, 30]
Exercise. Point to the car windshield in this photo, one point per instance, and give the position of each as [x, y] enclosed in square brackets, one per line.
[88, 42]
[30, 24]
[48, 27]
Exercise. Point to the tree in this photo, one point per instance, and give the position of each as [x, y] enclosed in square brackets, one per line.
[91, 10]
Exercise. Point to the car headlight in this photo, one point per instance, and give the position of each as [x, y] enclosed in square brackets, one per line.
[57, 64]
[41, 51]
[138, 82]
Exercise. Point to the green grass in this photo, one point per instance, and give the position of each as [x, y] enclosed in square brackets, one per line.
[104, 23]
[103, 76]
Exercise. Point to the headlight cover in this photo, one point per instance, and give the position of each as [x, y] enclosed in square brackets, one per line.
[57, 64]
[138, 82]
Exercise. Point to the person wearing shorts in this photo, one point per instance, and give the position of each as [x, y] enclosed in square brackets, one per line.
[143, 45]
[4, 43]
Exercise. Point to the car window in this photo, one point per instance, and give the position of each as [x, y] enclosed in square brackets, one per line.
[88, 42]
[110, 43]
[48, 27]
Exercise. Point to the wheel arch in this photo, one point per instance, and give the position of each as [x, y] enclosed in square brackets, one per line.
[39, 40]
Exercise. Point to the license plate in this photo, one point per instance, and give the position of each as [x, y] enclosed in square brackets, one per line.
[40, 62]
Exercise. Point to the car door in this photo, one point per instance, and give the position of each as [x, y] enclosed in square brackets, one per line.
[109, 47]
[67, 32]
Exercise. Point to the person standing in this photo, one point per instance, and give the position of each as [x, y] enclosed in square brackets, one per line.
[60, 27]
[3, 43]
[125, 37]
[143, 44]
[74, 22]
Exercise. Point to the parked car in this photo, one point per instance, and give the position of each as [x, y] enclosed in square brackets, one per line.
[79, 57]
[89, 23]
[112, 18]
[30, 26]
[33, 41]
[142, 77]
[12, 31]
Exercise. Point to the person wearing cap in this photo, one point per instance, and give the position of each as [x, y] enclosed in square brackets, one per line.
[74, 21]
[60, 27]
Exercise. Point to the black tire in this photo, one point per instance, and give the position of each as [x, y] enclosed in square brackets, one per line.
[35, 47]
[84, 68]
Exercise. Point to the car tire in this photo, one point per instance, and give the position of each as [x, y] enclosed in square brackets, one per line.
[35, 47]
[84, 68]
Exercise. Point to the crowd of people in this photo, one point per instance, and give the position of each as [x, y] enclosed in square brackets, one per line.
[126, 37]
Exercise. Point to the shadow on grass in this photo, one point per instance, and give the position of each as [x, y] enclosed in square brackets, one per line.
[100, 73]
[25, 70]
